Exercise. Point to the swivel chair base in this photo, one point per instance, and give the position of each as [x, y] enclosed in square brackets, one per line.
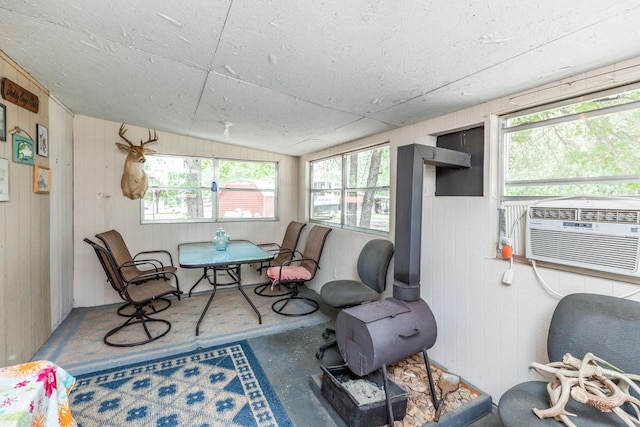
[280, 305]
[135, 320]
[157, 305]
[262, 290]
[333, 343]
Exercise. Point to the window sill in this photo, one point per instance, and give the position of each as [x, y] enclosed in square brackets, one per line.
[520, 259]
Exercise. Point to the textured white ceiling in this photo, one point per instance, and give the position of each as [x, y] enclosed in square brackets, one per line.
[296, 76]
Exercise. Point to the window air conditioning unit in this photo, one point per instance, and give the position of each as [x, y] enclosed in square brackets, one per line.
[598, 234]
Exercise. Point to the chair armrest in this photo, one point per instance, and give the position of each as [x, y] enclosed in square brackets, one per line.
[279, 251]
[298, 260]
[156, 264]
[297, 254]
[159, 251]
[147, 276]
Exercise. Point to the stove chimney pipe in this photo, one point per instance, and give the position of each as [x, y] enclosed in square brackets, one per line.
[409, 178]
[372, 335]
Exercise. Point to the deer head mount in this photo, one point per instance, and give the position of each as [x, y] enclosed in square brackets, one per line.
[134, 180]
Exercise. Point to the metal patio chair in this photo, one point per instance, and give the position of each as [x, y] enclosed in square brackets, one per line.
[140, 292]
[142, 264]
[283, 252]
[296, 272]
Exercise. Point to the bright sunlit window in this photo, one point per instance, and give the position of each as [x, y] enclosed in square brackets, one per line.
[587, 146]
[582, 147]
[352, 190]
[198, 189]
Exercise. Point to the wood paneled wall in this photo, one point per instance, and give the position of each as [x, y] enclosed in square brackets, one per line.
[24, 236]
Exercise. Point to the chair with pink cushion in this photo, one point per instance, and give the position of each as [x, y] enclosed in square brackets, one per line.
[294, 273]
[282, 253]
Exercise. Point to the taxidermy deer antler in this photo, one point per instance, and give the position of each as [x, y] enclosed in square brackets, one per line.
[134, 180]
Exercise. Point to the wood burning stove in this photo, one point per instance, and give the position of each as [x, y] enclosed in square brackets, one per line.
[383, 332]
[372, 335]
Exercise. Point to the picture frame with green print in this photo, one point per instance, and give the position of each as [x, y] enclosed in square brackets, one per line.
[22, 149]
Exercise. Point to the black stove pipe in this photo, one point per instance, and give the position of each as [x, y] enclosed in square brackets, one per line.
[409, 178]
[372, 335]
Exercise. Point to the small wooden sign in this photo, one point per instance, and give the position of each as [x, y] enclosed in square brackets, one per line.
[15, 93]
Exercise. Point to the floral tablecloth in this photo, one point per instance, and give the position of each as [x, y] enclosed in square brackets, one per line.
[35, 394]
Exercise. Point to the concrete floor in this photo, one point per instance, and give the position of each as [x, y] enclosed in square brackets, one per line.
[289, 362]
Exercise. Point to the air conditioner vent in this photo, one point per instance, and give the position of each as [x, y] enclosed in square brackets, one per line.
[599, 252]
[609, 215]
[554, 213]
[598, 234]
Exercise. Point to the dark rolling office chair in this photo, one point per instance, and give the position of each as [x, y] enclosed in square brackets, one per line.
[373, 263]
[283, 252]
[605, 326]
[139, 292]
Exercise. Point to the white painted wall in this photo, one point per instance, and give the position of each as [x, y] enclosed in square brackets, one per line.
[100, 206]
[487, 332]
[61, 220]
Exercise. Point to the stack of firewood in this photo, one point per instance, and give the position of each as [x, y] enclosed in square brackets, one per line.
[411, 375]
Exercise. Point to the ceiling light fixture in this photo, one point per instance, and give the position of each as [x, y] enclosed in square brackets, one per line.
[227, 125]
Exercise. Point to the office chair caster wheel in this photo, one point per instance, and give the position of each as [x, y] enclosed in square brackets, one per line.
[319, 354]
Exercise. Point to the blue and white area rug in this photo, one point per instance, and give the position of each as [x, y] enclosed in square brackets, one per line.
[219, 386]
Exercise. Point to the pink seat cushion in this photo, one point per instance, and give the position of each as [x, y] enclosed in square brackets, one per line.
[288, 272]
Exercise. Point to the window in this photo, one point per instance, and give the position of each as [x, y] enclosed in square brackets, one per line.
[586, 146]
[198, 189]
[352, 190]
[247, 189]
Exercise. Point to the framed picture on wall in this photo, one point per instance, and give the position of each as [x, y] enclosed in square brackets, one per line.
[41, 179]
[43, 141]
[4, 180]
[3, 122]
[22, 149]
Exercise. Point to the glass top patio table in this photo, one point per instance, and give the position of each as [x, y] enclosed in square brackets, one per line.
[204, 255]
